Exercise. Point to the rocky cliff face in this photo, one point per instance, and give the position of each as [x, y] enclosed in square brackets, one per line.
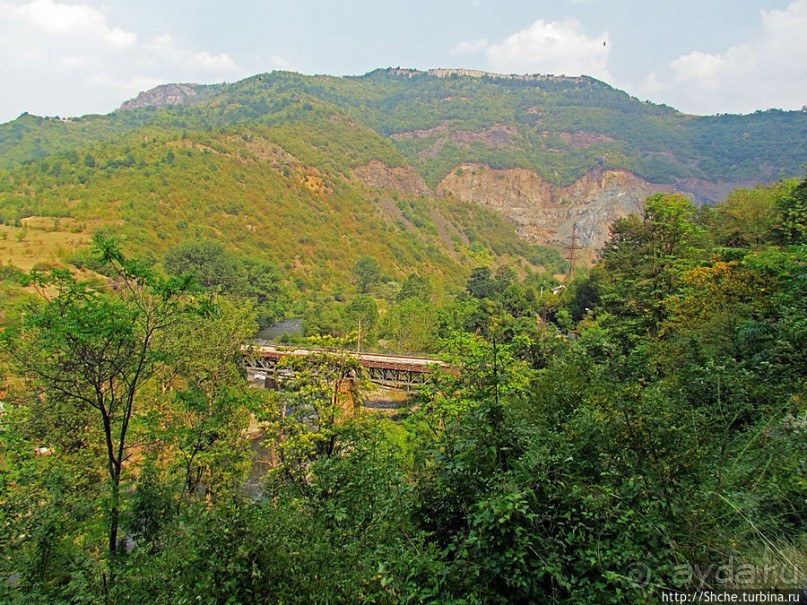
[166, 94]
[545, 214]
[542, 213]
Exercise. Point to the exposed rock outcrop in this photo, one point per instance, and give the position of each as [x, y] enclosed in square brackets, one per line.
[543, 213]
[597, 200]
[165, 94]
[546, 214]
[380, 176]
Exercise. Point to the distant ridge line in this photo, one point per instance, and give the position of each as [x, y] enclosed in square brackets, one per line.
[475, 73]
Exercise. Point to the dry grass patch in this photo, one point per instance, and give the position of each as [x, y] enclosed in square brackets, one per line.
[40, 240]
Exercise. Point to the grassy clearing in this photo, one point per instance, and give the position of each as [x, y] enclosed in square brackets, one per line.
[40, 240]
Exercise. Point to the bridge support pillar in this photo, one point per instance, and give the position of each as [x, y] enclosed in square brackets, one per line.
[347, 390]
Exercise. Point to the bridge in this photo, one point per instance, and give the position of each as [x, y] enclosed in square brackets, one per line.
[393, 371]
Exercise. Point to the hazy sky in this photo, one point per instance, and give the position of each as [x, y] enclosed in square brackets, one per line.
[60, 57]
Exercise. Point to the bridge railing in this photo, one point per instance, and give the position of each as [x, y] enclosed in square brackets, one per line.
[398, 371]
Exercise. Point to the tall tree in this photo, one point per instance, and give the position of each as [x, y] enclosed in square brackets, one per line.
[416, 286]
[95, 349]
[411, 326]
[481, 283]
[744, 219]
[643, 261]
[317, 392]
[361, 314]
[790, 224]
[366, 272]
[208, 263]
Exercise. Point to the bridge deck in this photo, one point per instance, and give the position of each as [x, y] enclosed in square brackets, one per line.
[397, 371]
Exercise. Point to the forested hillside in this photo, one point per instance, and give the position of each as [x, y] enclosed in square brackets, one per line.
[602, 431]
[564, 154]
[283, 195]
[559, 127]
[641, 431]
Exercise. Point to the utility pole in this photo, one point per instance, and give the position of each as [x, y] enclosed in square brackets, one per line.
[572, 249]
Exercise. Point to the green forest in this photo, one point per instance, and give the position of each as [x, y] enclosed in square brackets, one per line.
[625, 435]
[437, 123]
[282, 197]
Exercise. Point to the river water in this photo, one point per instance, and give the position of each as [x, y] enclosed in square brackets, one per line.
[287, 326]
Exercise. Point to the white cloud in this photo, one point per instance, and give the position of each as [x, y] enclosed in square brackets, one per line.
[68, 20]
[69, 59]
[221, 62]
[554, 47]
[767, 71]
[164, 49]
[699, 66]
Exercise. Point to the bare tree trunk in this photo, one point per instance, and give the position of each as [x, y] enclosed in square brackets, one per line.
[114, 523]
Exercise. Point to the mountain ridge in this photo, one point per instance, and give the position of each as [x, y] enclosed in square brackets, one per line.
[558, 151]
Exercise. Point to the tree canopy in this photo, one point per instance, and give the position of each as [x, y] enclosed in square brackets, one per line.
[639, 432]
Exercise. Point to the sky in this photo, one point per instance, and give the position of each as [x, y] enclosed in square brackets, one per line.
[71, 58]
